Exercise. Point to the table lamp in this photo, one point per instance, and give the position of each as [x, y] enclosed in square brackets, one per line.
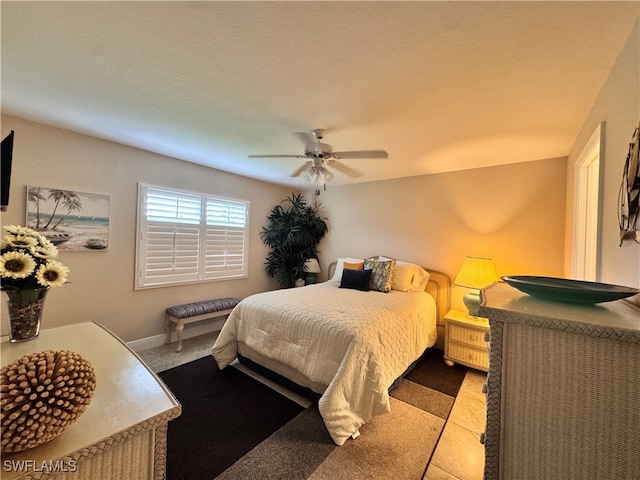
[475, 274]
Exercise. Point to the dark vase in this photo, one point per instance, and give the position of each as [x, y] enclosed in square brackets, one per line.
[25, 312]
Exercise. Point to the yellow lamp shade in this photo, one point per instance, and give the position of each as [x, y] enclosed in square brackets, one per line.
[476, 273]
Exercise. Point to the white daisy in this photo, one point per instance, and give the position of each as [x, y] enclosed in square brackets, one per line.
[20, 241]
[16, 265]
[52, 274]
[46, 243]
[45, 252]
[19, 230]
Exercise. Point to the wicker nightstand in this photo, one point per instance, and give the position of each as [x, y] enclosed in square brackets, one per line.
[464, 341]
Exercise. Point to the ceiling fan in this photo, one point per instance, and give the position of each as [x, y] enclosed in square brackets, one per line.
[321, 156]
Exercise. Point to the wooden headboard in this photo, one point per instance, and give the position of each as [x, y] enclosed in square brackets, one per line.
[439, 287]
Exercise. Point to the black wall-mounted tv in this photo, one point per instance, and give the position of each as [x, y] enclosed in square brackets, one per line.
[6, 161]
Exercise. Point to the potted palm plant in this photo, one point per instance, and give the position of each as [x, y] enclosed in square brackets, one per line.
[293, 231]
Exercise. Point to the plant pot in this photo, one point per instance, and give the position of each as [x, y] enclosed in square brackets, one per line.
[25, 312]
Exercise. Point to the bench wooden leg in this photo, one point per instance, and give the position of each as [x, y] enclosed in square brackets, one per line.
[167, 330]
[180, 322]
[179, 329]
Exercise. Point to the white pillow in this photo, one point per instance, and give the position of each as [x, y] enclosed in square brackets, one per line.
[337, 275]
[419, 279]
[402, 278]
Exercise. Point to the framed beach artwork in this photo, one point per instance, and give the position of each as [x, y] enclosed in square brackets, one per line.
[72, 221]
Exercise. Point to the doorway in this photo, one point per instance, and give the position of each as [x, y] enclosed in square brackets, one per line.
[587, 207]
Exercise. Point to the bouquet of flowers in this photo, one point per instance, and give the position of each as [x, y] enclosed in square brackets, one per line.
[27, 261]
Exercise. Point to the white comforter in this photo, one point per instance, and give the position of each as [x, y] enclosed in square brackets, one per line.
[357, 343]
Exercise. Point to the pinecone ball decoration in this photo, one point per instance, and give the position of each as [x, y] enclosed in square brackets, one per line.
[41, 394]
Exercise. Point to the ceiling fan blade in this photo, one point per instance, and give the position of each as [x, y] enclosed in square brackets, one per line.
[361, 154]
[276, 156]
[341, 167]
[301, 169]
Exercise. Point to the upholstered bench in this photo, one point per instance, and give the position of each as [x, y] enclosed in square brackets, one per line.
[193, 312]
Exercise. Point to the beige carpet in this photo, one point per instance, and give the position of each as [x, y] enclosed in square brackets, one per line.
[396, 445]
[165, 357]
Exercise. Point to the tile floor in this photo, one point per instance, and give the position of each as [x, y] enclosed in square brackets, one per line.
[458, 454]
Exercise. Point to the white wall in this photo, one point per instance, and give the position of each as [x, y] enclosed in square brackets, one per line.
[618, 106]
[101, 287]
[511, 213]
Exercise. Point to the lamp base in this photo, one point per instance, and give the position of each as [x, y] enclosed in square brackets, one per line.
[310, 278]
[472, 302]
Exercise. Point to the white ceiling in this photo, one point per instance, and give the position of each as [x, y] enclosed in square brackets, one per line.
[441, 86]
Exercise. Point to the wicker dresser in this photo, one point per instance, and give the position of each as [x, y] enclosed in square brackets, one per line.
[563, 389]
[122, 435]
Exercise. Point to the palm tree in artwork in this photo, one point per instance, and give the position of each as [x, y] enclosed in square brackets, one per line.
[71, 204]
[35, 196]
[68, 199]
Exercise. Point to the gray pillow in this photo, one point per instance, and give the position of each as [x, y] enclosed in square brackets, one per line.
[381, 274]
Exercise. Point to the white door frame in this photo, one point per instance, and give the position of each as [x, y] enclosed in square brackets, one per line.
[587, 209]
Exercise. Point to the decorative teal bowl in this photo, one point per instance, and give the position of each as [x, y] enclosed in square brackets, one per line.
[569, 291]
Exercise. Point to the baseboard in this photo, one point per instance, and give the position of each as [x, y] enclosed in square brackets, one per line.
[189, 331]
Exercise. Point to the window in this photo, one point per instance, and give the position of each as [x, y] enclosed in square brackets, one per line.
[186, 237]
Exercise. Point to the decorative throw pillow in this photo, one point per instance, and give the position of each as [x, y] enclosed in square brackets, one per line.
[356, 279]
[402, 278]
[337, 274]
[420, 276]
[353, 266]
[381, 274]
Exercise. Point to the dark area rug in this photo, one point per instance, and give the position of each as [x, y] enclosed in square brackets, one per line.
[232, 426]
[432, 372]
[224, 415]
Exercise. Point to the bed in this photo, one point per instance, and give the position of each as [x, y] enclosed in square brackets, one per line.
[345, 343]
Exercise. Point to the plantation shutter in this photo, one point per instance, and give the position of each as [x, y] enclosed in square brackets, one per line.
[186, 237]
[225, 239]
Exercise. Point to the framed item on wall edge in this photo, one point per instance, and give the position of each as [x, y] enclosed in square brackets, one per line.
[71, 220]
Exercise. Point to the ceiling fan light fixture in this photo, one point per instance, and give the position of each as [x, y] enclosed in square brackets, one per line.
[317, 175]
[310, 174]
[327, 174]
